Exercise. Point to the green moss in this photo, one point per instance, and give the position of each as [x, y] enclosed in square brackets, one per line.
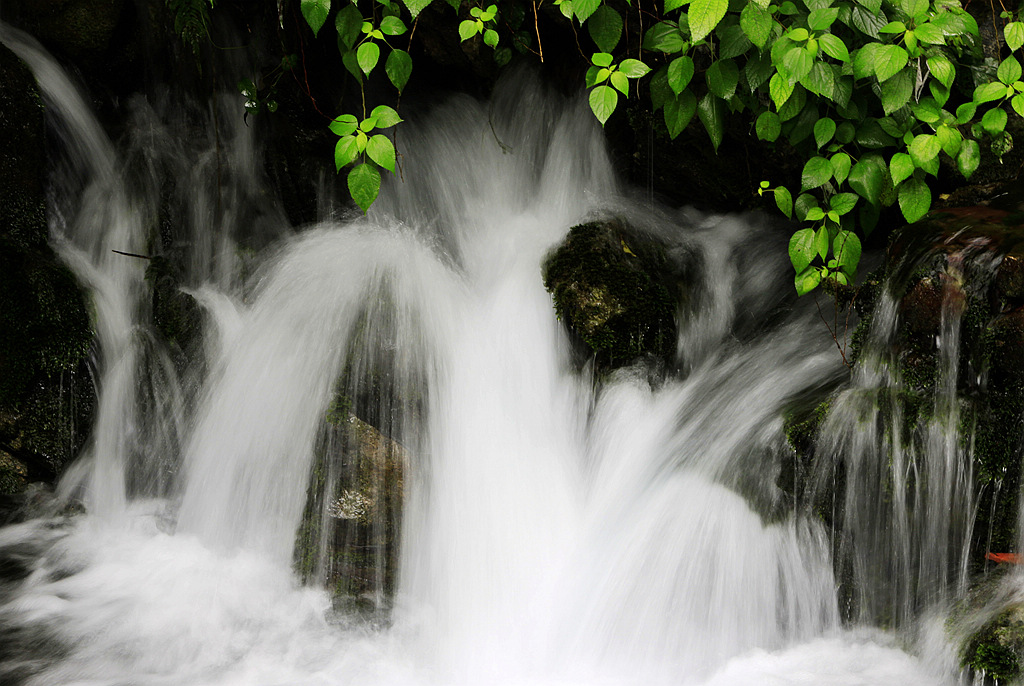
[998, 647]
[613, 290]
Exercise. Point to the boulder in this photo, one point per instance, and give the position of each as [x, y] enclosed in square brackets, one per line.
[613, 288]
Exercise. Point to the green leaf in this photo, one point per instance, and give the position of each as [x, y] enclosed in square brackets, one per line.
[659, 87]
[824, 129]
[915, 9]
[846, 247]
[491, 38]
[315, 12]
[821, 235]
[768, 126]
[949, 139]
[584, 8]
[347, 23]
[416, 6]
[896, 92]
[923, 149]
[344, 124]
[680, 71]
[711, 112]
[634, 69]
[1014, 34]
[893, 27]
[756, 23]
[807, 280]
[664, 37]
[675, 4]
[601, 59]
[871, 134]
[865, 60]
[1009, 70]
[732, 41]
[385, 116]
[930, 34]
[704, 16]
[619, 82]
[382, 151]
[843, 203]
[969, 158]
[820, 80]
[901, 166]
[988, 92]
[845, 132]
[915, 199]
[398, 68]
[797, 62]
[867, 22]
[784, 201]
[364, 185]
[722, 77]
[966, 112]
[867, 177]
[942, 69]
[805, 202]
[467, 29]
[352, 65]
[994, 121]
[889, 60]
[679, 111]
[1017, 102]
[603, 100]
[834, 47]
[392, 26]
[840, 163]
[345, 152]
[780, 89]
[927, 111]
[802, 249]
[758, 70]
[794, 105]
[822, 19]
[817, 172]
[367, 55]
[605, 27]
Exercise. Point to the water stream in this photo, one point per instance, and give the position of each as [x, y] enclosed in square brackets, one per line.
[552, 526]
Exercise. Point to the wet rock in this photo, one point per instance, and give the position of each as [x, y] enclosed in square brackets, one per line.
[348, 540]
[613, 287]
[45, 334]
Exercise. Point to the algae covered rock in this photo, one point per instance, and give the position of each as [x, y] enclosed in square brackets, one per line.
[612, 286]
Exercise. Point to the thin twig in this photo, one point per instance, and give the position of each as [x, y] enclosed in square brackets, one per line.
[132, 254]
[835, 339]
[536, 28]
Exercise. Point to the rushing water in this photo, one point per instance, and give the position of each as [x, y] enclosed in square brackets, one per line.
[550, 528]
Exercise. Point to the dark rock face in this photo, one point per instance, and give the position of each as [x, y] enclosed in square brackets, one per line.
[612, 287]
[46, 396]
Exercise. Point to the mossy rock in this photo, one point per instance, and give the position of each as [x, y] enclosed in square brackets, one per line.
[613, 287]
[996, 649]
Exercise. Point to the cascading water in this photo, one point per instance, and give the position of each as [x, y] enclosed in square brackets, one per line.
[551, 527]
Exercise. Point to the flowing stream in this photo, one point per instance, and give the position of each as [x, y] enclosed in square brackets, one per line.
[551, 526]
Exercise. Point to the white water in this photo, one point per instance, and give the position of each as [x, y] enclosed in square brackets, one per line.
[556, 530]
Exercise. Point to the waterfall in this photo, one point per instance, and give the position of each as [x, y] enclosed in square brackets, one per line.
[524, 518]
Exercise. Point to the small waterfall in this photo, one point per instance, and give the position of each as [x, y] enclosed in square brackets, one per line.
[900, 465]
[388, 407]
